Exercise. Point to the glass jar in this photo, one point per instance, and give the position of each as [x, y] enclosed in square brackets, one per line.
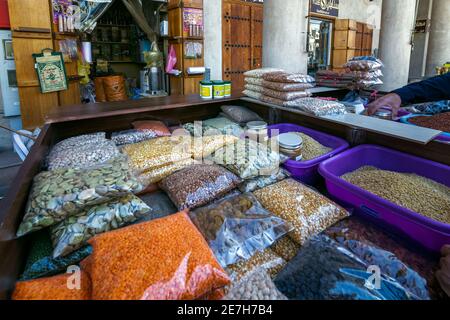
[291, 145]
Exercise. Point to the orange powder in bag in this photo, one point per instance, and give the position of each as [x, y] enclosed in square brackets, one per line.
[161, 259]
[54, 288]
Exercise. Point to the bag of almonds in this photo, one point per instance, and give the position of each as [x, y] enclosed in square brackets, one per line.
[74, 232]
[58, 194]
[237, 227]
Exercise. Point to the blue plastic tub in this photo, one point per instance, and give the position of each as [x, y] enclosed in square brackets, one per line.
[306, 171]
[427, 232]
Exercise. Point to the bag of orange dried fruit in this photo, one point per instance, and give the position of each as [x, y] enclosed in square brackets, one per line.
[164, 259]
[67, 286]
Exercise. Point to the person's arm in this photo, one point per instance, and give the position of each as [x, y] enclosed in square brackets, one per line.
[433, 89]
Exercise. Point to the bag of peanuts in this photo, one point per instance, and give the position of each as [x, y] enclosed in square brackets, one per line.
[58, 194]
[237, 227]
[286, 77]
[259, 73]
[161, 259]
[60, 287]
[157, 174]
[256, 285]
[307, 210]
[74, 232]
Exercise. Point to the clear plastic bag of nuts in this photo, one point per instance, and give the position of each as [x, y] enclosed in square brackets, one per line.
[256, 285]
[198, 185]
[58, 194]
[81, 153]
[74, 232]
[132, 136]
[307, 210]
[237, 227]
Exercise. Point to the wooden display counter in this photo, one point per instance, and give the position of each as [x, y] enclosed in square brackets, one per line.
[64, 122]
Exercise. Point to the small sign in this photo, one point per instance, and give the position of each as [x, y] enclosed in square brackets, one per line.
[421, 26]
[325, 7]
[51, 71]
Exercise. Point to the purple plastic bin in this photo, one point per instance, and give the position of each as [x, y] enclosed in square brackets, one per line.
[428, 232]
[306, 171]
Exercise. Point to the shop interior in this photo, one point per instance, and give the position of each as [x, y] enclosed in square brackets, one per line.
[210, 150]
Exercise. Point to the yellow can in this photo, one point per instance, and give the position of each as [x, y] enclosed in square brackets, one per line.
[227, 89]
[219, 89]
[206, 89]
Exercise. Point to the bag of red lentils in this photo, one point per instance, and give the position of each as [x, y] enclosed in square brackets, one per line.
[164, 259]
[61, 287]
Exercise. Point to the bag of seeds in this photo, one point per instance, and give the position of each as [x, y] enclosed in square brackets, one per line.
[83, 155]
[58, 194]
[259, 73]
[158, 127]
[308, 211]
[248, 159]
[252, 94]
[132, 136]
[285, 87]
[237, 227]
[40, 262]
[203, 147]
[155, 153]
[409, 265]
[240, 114]
[267, 260]
[286, 77]
[53, 288]
[155, 175]
[254, 81]
[284, 103]
[319, 107]
[324, 270]
[162, 259]
[286, 248]
[286, 96]
[81, 140]
[257, 285]
[224, 126]
[74, 232]
[263, 181]
[198, 185]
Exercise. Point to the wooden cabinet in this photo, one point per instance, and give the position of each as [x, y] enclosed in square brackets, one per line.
[345, 39]
[242, 34]
[33, 31]
[351, 38]
[30, 15]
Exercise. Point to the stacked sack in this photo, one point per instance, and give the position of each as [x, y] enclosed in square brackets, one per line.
[360, 73]
[276, 86]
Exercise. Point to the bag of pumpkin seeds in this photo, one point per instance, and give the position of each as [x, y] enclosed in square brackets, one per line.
[75, 231]
[248, 159]
[56, 195]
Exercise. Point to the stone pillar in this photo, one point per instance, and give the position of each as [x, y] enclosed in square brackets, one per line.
[439, 43]
[213, 37]
[285, 34]
[397, 20]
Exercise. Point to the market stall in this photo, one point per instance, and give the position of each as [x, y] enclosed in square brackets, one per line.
[278, 239]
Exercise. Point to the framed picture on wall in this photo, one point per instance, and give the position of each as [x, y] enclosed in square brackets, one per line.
[51, 71]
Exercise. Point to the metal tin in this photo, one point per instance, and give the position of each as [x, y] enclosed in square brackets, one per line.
[291, 144]
[383, 114]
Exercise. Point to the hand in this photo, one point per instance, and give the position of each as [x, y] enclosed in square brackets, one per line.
[391, 100]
